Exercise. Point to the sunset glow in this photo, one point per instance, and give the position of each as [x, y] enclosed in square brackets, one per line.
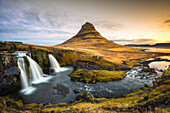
[123, 21]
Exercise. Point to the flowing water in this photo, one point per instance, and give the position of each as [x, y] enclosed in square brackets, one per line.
[24, 79]
[36, 72]
[26, 86]
[54, 63]
[61, 89]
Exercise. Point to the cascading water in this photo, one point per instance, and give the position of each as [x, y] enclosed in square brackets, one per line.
[35, 71]
[26, 87]
[24, 79]
[54, 63]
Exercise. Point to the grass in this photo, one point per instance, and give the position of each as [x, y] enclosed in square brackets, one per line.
[93, 76]
[112, 57]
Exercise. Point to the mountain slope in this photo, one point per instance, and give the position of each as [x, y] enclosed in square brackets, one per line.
[89, 37]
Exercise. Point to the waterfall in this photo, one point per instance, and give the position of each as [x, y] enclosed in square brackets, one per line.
[35, 71]
[54, 63]
[24, 79]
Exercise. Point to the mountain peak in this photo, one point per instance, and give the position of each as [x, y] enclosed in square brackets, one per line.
[88, 26]
[89, 37]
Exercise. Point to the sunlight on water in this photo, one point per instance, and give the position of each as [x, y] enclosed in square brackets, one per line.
[164, 57]
[159, 65]
[162, 50]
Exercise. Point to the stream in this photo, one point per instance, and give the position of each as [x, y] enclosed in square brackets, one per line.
[61, 89]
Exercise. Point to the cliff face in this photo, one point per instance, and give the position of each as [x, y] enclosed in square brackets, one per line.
[89, 37]
[9, 74]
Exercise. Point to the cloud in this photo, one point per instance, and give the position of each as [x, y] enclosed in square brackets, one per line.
[166, 24]
[32, 14]
[56, 18]
[167, 21]
[22, 20]
[109, 25]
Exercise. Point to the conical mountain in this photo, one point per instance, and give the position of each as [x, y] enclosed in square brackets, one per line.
[89, 37]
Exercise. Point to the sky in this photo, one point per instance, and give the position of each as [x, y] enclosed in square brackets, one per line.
[51, 22]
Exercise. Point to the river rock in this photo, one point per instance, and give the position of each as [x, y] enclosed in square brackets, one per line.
[79, 97]
[52, 70]
[96, 95]
[87, 96]
[61, 89]
[77, 90]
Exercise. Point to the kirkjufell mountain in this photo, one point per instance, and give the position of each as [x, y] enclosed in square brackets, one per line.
[89, 37]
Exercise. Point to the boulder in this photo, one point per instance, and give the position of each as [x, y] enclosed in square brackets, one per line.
[77, 90]
[61, 89]
[87, 96]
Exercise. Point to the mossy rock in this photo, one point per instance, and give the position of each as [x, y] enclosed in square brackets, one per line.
[87, 96]
[92, 76]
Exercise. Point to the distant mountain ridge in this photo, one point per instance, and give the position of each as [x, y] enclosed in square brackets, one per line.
[89, 37]
[160, 45]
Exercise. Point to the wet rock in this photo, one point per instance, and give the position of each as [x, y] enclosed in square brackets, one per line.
[54, 92]
[87, 96]
[161, 70]
[61, 89]
[93, 81]
[96, 95]
[79, 97]
[74, 79]
[52, 70]
[71, 101]
[77, 90]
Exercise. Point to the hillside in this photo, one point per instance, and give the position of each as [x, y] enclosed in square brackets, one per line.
[89, 37]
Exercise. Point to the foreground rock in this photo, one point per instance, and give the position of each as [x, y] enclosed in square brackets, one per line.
[77, 90]
[87, 96]
[9, 74]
